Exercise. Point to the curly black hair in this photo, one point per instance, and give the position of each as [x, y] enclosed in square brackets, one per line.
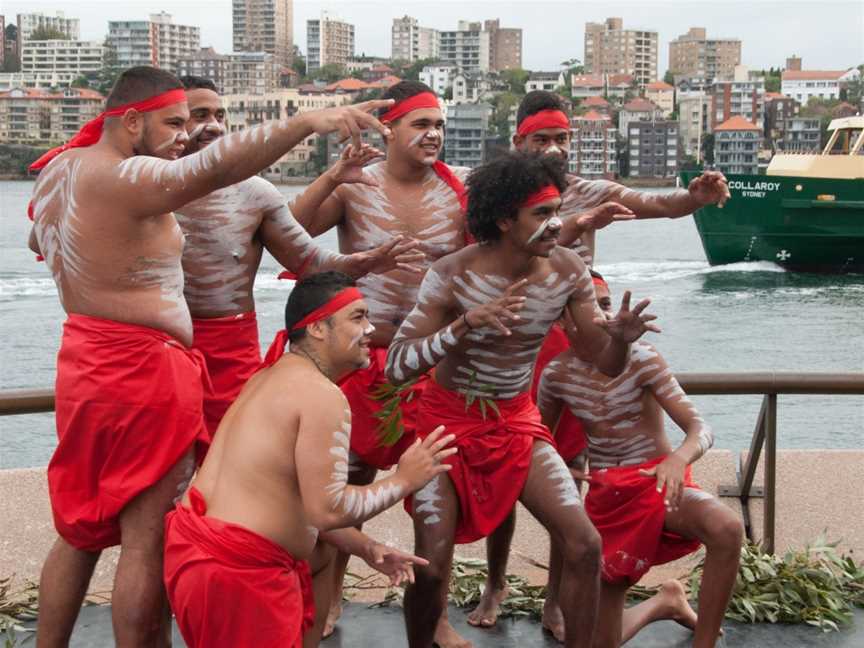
[496, 189]
[192, 82]
[403, 90]
[538, 100]
[310, 293]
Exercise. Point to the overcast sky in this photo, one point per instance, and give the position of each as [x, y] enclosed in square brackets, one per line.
[828, 35]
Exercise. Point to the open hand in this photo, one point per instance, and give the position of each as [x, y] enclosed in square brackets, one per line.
[348, 121]
[498, 311]
[603, 215]
[422, 461]
[709, 188]
[629, 325]
[670, 476]
[395, 564]
[400, 253]
[349, 168]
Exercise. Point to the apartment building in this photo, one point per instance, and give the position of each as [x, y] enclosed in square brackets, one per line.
[438, 77]
[736, 146]
[662, 95]
[60, 62]
[411, 42]
[744, 96]
[801, 135]
[803, 85]
[505, 46]
[778, 108]
[653, 149]
[329, 41]
[30, 22]
[264, 26]
[254, 73]
[611, 49]
[207, 63]
[548, 81]
[638, 110]
[694, 120]
[467, 47]
[42, 117]
[158, 42]
[592, 146]
[466, 133]
[694, 54]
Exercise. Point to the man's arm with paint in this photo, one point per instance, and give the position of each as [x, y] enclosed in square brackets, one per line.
[294, 248]
[321, 458]
[393, 563]
[320, 208]
[707, 189]
[430, 331]
[160, 186]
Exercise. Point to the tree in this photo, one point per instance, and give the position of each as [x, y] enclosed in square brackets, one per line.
[855, 88]
[330, 72]
[515, 79]
[708, 148]
[411, 71]
[502, 104]
[669, 78]
[12, 63]
[298, 62]
[47, 33]
[104, 79]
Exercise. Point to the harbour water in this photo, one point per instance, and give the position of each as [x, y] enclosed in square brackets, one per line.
[743, 317]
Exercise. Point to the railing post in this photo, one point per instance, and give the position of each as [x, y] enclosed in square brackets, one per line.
[770, 472]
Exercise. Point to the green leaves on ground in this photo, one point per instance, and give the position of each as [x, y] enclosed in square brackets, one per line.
[16, 606]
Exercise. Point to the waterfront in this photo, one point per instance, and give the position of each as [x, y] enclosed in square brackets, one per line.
[744, 317]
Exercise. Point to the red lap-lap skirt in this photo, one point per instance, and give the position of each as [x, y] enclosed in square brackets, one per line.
[229, 586]
[491, 467]
[232, 352]
[359, 387]
[128, 407]
[556, 342]
[629, 514]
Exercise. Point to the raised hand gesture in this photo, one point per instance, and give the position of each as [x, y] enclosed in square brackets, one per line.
[400, 253]
[629, 325]
[603, 215]
[423, 459]
[397, 565]
[349, 168]
[348, 121]
[709, 188]
[498, 311]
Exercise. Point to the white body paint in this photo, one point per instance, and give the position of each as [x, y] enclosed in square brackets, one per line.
[564, 485]
[426, 502]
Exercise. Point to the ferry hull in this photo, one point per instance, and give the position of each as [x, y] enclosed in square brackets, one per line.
[802, 224]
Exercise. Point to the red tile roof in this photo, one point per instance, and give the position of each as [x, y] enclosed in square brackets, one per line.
[385, 82]
[593, 115]
[737, 123]
[349, 85]
[595, 101]
[640, 104]
[621, 79]
[659, 85]
[810, 75]
[40, 93]
[588, 81]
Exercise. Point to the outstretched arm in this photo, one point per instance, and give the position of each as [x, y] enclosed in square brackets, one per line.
[430, 330]
[393, 563]
[321, 458]
[160, 186]
[699, 437]
[707, 189]
[320, 208]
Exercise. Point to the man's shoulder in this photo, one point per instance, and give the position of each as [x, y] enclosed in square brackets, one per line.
[564, 258]
[588, 193]
[642, 352]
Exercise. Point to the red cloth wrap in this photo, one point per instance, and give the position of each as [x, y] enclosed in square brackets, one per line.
[128, 407]
[543, 119]
[276, 350]
[232, 353]
[629, 514]
[358, 387]
[231, 587]
[415, 102]
[336, 303]
[570, 436]
[494, 457]
[91, 132]
[556, 341]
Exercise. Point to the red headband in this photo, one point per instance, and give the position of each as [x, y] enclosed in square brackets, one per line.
[597, 281]
[422, 100]
[92, 130]
[541, 195]
[336, 303]
[543, 119]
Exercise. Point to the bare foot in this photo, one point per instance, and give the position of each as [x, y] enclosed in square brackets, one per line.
[332, 618]
[486, 613]
[447, 637]
[553, 620]
[674, 603]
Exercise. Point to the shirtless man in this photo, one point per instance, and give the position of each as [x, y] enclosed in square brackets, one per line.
[543, 126]
[481, 315]
[276, 475]
[129, 389]
[410, 194]
[641, 497]
[226, 233]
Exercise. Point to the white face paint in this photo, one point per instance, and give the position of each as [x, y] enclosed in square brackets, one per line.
[169, 142]
[355, 341]
[550, 223]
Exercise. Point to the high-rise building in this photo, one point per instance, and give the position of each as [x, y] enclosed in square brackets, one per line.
[653, 149]
[505, 46]
[264, 26]
[2, 41]
[411, 42]
[207, 63]
[329, 41]
[254, 73]
[467, 130]
[30, 22]
[59, 62]
[694, 116]
[157, 42]
[744, 96]
[467, 47]
[694, 54]
[611, 49]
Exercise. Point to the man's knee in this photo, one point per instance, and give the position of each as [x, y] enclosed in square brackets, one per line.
[582, 545]
[725, 532]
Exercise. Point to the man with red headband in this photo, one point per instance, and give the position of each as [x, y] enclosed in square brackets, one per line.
[226, 233]
[276, 475]
[543, 126]
[410, 194]
[129, 388]
[641, 497]
[481, 316]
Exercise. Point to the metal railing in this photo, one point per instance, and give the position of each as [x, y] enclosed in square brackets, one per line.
[768, 384]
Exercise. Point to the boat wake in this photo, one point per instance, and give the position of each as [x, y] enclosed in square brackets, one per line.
[649, 271]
